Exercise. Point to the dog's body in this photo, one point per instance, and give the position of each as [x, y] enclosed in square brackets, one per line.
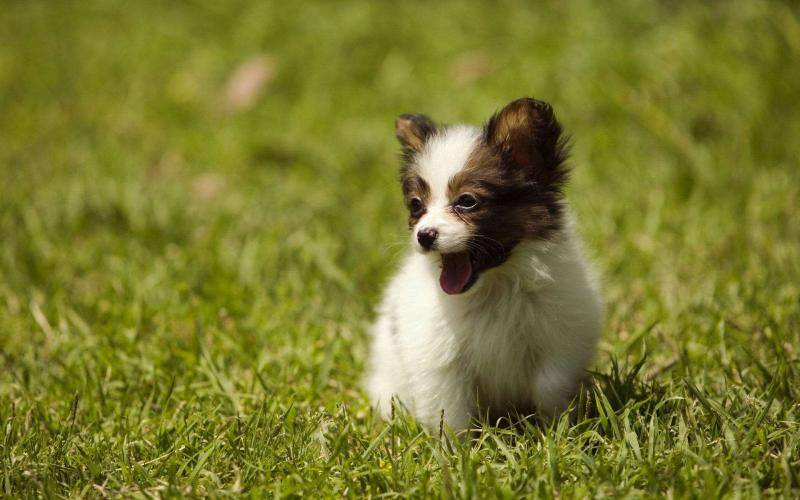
[512, 319]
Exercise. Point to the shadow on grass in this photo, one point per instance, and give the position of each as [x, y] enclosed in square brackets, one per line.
[603, 395]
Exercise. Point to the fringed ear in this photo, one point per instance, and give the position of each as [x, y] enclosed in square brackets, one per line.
[413, 131]
[529, 137]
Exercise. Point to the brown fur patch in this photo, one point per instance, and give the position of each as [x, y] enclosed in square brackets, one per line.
[415, 186]
[529, 138]
[517, 173]
[413, 131]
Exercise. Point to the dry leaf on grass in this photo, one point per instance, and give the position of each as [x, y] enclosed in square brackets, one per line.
[470, 67]
[247, 82]
[207, 186]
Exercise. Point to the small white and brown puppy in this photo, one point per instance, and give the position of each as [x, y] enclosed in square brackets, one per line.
[495, 311]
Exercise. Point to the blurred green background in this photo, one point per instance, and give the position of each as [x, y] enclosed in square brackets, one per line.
[199, 205]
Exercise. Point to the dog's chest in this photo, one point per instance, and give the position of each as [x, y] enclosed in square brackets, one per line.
[500, 341]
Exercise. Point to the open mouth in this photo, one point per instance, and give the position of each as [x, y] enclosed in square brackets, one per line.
[458, 273]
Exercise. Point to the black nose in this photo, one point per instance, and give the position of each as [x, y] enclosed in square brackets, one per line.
[427, 237]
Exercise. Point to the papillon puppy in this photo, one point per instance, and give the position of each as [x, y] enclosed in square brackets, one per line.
[495, 311]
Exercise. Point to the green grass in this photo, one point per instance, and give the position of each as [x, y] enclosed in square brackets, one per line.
[186, 290]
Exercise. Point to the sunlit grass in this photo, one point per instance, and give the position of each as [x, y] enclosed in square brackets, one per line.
[186, 284]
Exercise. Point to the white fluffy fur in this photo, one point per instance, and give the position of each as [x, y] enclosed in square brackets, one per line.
[522, 336]
[442, 158]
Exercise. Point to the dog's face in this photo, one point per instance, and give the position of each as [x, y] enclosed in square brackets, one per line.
[474, 194]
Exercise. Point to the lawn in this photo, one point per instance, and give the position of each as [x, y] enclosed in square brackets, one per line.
[199, 207]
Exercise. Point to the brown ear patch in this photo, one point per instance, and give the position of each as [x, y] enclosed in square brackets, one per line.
[413, 131]
[515, 122]
[529, 137]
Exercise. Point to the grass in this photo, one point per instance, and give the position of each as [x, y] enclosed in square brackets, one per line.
[186, 285]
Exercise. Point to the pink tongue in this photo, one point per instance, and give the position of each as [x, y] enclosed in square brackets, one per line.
[456, 272]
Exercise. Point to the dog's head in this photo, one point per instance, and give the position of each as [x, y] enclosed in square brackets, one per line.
[473, 194]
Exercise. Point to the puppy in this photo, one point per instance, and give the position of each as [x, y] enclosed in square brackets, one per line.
[495, 310]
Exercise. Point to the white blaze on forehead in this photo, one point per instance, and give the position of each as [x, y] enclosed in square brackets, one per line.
[444, 156]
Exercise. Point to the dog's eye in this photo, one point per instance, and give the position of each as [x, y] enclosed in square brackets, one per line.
[415, 206]
[466, 202]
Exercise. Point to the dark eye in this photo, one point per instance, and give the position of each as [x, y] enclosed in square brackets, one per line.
[466, 202]
[415, 206]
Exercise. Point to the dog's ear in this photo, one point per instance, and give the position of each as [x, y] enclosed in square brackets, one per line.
[528, 136]
[413, 131]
